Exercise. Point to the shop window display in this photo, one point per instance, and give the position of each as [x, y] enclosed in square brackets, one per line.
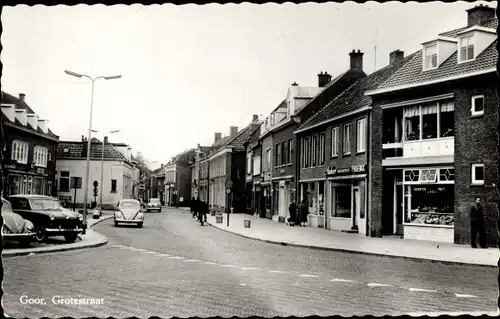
[321, 198]
[429, 204]
[343, 201]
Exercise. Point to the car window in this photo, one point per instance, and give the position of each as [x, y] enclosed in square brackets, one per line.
[129, 205]
[6, 208]
[45, 204]
[154, 200]
[19, 203]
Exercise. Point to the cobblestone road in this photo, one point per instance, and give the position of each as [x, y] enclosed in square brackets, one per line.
[175, 267]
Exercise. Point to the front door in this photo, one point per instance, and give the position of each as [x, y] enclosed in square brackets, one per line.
[398, 210]
[356, 202]
[282, 201]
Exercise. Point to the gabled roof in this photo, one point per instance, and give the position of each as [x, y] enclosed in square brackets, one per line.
[21, 105]
[236, 142]
[182, 158]
[354, 98]
[413, 75]
[76, 151]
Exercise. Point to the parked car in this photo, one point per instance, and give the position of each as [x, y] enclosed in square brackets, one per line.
[16, 228]
[154, 204]
[129, 211]
[48, 216]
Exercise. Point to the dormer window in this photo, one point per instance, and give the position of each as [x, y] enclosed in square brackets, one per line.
[466, 48]
[430, 57]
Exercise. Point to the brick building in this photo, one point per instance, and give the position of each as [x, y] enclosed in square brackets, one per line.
[435, 137]
[29, 161]
[252, 171]
[178, 178]
[334, 153]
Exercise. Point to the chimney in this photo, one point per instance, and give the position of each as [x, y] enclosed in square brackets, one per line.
[479, 14]
[255, 118]
[22, 96]
[233, 130]
[83, 138]
[33, 121]
[105, 139]
[396, 56]
[295, 84]
[324, 79]
[218, 136]
[356, 60]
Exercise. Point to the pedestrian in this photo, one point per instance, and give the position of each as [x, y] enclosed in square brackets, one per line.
[477, 224]
[292, 209]
[202, 212]
[303, 212]
[193, 203]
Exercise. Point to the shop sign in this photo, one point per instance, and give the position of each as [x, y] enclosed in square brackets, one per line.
[12, 166]
[40, 170]
[347, 170]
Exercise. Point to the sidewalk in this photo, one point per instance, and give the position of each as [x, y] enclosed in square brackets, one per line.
[89, 240]
[278, 233]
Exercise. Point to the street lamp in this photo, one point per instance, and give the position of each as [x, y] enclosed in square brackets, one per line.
[86, 189]
[102, 169]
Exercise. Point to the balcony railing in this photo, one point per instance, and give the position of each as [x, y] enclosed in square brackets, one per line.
[440, 146]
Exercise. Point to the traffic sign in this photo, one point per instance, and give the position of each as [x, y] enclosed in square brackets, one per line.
[229, 184]
[228, 190]
[95, 191]
[96, 184]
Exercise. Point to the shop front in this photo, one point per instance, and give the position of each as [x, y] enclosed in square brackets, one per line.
[34, 182]
[265, 192]
[283, 195]
[313, 191]
[348, 204]
[425, 197]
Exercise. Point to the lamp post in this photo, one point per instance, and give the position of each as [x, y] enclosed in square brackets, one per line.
[86, 183]
[102, 168]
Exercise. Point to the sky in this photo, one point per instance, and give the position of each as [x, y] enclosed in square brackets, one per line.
[190, 71]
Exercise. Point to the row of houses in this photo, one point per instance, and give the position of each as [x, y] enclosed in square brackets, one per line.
[36, 161]
[402, 151]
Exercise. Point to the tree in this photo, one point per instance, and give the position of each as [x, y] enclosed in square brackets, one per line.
[142, 164]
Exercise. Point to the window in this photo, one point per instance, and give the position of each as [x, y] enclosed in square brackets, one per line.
[268, 158]
[412, 123]
[113, 186]
[321, 148]
[343, 201]
[429, 204]
[466, 48]
[40, 156]
[347, 139]
[477, 105]
[249, 163]
[19, 152]
[477, 174]
[284, 155]
[290, 150]
[314, 150]
[335, 142]
[361, 136]
[64, 182]
[278, 155]
[429, 120]
[447, 119]
[430, 57]
[428, 175]
[306, 152]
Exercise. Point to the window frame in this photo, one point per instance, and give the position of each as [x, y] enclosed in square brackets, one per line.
[115, 186]
[277, 155]
[68, 178]
[362, 135]
[314, 150]
[471, 43]
[40, 155]
[290, 150]
[344, 135]
[426, 57]
[335, 142]
[473, 105]
[475, 181]
[19, 148]
[322, 146]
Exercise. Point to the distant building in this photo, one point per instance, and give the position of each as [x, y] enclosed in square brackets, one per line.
[178, 178]
[29, 148]
[120, 178]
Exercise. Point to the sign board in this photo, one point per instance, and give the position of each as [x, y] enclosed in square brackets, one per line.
[95, 184]
[229, 184]
[96, 191]
[40, 170]
[347, 170]
[228, 190]
[76, 182]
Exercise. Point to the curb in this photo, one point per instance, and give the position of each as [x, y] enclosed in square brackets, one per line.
[54, 249]
[354, 251]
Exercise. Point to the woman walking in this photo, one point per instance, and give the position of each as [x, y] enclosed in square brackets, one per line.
[292, 209]
[303, 212]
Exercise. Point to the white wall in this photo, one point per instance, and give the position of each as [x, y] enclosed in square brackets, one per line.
[112, 170]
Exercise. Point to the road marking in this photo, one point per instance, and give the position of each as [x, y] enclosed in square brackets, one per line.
[166, 255]
[251, 268]
[341, 280]
[277, 271]
[190, 260]
[230, 266]
[377, 285]
[150, 252]
[117, 246]
[176, 257]
[243, 284]
[308, 276]
[465, 296]
[209, 263]
[423, 290]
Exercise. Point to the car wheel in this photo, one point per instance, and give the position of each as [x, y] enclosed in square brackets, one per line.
[116, 224]
[41, 234]
[159, 210]
[71, 238]
[25, 241]
[139, 225]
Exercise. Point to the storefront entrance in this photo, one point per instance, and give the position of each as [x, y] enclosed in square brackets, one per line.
[284, 200]
[398, 209]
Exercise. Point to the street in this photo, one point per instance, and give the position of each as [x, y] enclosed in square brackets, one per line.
[175, 267]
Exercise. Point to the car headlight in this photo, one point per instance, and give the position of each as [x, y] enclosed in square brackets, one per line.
[29, 226]
[118, 214]
[52, 217]
[80, 216]
[139, 215]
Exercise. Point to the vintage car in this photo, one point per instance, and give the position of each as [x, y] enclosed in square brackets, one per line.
[154, 204]
[48, 216]
[128, 211]
[14, 227]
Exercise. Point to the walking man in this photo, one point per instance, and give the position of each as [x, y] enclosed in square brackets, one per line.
[193, 203]
[477, 224]
[292, 209]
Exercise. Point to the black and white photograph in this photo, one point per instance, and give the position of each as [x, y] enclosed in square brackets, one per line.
[249, 159]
